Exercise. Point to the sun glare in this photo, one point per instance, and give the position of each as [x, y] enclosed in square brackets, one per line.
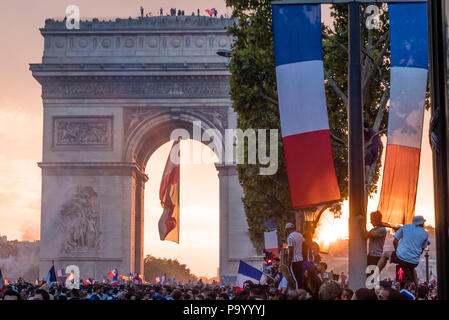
[331, 229]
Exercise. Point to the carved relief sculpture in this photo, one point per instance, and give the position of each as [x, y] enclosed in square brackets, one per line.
[82, 131]
[80, 221]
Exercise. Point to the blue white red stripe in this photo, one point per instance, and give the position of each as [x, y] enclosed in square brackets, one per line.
[51, 276]
[169, 195]
[302, 105]
[60, 273]
[247, 272]
[409, 69]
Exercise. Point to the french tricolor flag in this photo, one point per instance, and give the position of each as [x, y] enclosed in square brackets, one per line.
[247, 272]
[113, 275]
[271, 243]
[409, 69]
[302, 105]
[51, 276]
[60, 273]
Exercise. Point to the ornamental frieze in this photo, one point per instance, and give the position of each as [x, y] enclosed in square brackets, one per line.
[137, 88]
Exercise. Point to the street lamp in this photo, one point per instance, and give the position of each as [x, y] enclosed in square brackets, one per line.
[224, 53]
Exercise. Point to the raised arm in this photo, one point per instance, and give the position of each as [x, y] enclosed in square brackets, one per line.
[367, 234]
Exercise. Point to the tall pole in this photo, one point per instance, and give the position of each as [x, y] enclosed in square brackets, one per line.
[440, 114]
[357, 243]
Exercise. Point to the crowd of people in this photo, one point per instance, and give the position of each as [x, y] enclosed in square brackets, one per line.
[316, 289]
[303, 277]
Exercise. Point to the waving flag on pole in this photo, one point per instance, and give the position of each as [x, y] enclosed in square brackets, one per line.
[113, 275]
[137, 279]
[2, 282]
[302, 105]
[51, 276]
[409, 68]
[247, 272]
[169, 196]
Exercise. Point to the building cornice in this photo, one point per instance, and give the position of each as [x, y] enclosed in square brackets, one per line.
[92, 169]
[145, 24]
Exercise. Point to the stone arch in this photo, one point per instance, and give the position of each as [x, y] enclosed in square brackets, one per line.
[145, 136]
[123, 103]
[153, 131]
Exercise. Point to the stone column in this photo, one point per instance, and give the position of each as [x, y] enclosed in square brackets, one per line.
[235, 244]
[139, 192]
[224, 219]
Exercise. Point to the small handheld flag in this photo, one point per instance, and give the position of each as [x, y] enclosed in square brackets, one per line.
[247, 272]
[113, 275]
[60, 273]
[2, 282]
[271, 243]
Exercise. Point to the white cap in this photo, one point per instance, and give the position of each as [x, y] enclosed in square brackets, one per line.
[289, 225]
[418, 220]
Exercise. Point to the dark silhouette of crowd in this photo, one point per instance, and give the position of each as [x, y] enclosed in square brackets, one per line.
[320, 285]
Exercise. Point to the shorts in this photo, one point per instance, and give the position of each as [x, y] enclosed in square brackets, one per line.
[372, 260]
[394, 259]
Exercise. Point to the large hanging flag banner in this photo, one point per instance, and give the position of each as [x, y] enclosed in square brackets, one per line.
[169, 196]
[409, 68]
[302, 105]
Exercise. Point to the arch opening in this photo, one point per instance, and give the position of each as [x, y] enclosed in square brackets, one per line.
[199, 217]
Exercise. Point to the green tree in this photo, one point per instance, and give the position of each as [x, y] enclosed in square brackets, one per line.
[254, 96]
[154, 267]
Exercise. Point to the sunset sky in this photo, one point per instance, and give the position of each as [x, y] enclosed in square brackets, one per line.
[21, 139]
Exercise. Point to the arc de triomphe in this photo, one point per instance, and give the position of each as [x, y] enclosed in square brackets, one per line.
[112, 93]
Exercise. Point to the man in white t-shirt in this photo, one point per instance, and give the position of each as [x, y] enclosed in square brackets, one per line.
[294, 243]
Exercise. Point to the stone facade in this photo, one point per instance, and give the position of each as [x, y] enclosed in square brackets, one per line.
[112, 92]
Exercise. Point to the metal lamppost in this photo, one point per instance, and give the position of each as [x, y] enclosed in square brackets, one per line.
[439, 136]
[357, 242]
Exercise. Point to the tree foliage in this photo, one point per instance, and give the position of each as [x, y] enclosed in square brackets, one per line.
[154, 267]
[254, 96]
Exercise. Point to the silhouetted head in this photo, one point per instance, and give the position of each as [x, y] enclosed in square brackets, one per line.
[376, 218]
